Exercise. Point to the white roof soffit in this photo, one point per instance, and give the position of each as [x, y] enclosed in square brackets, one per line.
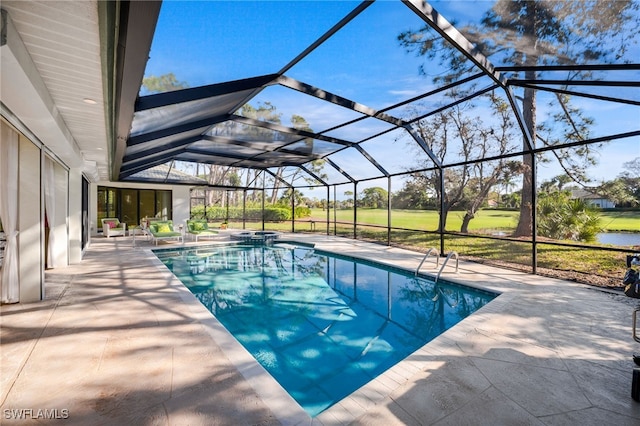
[26, 95]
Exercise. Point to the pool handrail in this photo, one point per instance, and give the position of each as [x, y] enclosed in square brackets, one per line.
[432, 249]
[449, 256]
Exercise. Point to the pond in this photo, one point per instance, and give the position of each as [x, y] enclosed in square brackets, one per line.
[619, 238]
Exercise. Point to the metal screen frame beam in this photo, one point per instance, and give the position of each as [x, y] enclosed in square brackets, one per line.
[454, 103]
[278, 178]
[138, 167]
[597, 83]
[171, 131]
[519, 118]
[579, 94]
[447, 31]
[337, 27]
[435, 91]
[366, 155]
[155, 149]
[289, 130]
[576, 67]
[335, 166]
[282, 148]
[425, 147]
[204, 153]
[202, 92]
[316, 92]
[313, 175]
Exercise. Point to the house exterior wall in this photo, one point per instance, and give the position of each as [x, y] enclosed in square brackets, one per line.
[601, 203]
[28, 108]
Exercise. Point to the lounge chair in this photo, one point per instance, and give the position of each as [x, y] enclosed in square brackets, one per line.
[163, 230]
[199, 228]
[111, 227]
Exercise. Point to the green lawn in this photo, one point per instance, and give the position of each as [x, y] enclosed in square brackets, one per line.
[621, 221]
[426, 219]
[592, 266]
[485, 219]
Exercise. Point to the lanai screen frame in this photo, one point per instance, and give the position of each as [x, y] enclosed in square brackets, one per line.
[160, 145]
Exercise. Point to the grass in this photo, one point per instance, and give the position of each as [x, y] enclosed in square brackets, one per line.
[485, 220]
[426, 220]
[628, 221]
[592, 266]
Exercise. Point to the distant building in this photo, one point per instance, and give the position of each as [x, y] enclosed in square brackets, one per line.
[593, 199]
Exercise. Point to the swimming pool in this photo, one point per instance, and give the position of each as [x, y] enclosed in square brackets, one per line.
[321, 324]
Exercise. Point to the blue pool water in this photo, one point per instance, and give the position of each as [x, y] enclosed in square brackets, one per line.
[323, 325]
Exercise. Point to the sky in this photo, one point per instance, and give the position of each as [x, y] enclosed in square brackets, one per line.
[206, 42]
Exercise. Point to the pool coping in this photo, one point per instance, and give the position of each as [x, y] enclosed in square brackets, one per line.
[284, 407]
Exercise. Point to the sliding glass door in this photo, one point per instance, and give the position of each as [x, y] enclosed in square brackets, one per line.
[132, 205]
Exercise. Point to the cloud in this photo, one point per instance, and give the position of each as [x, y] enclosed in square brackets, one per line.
[405, 93]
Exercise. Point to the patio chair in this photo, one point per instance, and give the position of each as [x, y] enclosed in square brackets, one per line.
[163, 230]
[111, 227]
[199, 228]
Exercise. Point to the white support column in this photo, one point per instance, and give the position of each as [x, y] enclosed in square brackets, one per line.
[75, 215]
[60, 227]
[93, 210]
[181, 200]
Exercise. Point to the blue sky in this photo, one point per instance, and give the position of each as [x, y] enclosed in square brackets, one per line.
[205, 42]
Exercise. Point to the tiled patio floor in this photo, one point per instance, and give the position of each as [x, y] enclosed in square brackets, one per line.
[120, 341]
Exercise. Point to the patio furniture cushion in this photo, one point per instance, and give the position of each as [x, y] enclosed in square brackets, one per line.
[111, 226]
[162, 230]
[164, 227]
[199, 228]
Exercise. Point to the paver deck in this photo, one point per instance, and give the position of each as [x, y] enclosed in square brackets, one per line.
[119, 340]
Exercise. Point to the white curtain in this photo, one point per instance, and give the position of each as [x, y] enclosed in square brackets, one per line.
[50, 208]
[9, 279]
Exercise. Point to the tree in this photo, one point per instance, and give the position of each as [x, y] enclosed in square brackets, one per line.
[630, 179]
[455, 132]
[285, 200]
[375, 198]
[529, 33]
[234, 179]
[563, 218]
[556, 183]
[164, 83]
[511, 200]
[348, 203]
[413, 195]
[436, 132]
[625, 189]
[487, 140]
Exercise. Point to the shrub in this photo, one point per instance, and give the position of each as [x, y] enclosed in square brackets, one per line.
[562, 218]
[271, 213]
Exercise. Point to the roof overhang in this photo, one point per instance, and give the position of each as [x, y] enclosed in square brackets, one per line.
[137, 25]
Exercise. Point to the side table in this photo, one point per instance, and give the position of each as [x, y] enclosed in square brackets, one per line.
[138, 230]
